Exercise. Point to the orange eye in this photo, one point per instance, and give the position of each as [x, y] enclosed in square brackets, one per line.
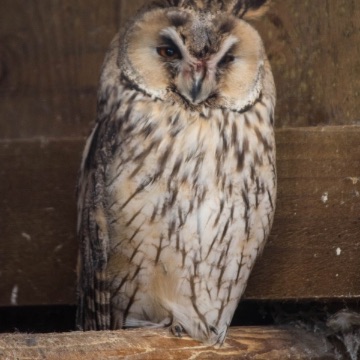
[168, 52]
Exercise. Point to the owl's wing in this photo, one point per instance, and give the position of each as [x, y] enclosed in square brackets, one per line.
[93, 311]
[93, 285]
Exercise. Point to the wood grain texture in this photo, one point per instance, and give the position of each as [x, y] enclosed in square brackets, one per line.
[51, 52]
[314, 49]
[50, 57]
[314, 247]
[313, 251]
[38, 219]
[242, 343]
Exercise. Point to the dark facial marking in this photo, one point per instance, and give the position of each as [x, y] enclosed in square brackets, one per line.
[178, 19]
[226, 26]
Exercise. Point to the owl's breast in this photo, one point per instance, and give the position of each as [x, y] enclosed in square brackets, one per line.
[180, 176]
[193, 198]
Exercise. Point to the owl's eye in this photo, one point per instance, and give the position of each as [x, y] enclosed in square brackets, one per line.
[227, 59]
[169, 52]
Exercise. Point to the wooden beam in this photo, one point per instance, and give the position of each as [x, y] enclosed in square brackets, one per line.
[313, 251]
[242, 343]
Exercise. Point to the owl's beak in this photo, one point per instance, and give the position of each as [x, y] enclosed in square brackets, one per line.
[197, 82]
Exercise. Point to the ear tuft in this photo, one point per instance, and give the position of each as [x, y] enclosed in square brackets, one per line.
[250, 9]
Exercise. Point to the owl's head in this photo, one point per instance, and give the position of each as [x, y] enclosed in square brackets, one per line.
[198, 52]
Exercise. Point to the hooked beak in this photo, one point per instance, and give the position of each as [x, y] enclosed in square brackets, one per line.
[194, 82]
[197, 81]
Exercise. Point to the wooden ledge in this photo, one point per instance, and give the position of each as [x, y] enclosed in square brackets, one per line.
[260, 343]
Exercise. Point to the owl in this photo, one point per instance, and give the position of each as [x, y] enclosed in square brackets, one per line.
[177, 186]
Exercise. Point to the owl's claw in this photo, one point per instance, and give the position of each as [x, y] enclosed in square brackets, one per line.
[177, 330]
[214, 330]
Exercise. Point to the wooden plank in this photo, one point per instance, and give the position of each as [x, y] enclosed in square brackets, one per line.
[308, 43]
[51, 52]
[242, 343]
[313, 252]
[38, 220]
[314, 249]
[50, 57]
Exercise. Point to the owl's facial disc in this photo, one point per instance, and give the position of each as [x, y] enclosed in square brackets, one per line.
[202, 59]
[190, 74]
[194, 75]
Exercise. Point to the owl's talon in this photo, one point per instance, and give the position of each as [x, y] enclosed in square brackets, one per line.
[177, 330]
[214, 330]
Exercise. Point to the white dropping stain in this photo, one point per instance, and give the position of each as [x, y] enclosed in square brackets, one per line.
[337, 275]
[58, 248]
[26, 236]
[353, 179]
[338, 251]
[14, 295]
[325, 197]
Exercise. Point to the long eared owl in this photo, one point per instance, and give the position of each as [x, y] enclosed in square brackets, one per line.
[177, 187]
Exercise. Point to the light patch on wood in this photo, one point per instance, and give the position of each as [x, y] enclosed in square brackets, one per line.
[26, 236]
[353, 179]
[14, 295]
[325, 197]
[58, 248]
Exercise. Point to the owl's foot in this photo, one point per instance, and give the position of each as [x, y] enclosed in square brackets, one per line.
[214, 330]
[177, 329]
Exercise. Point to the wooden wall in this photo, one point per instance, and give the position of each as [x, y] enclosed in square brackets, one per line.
[51, 51]
[50, 55]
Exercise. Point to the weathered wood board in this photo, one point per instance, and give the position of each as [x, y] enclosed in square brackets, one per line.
[51, 52]
[242, 343]
[38, 220]
[313, 252]
[313, 48]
